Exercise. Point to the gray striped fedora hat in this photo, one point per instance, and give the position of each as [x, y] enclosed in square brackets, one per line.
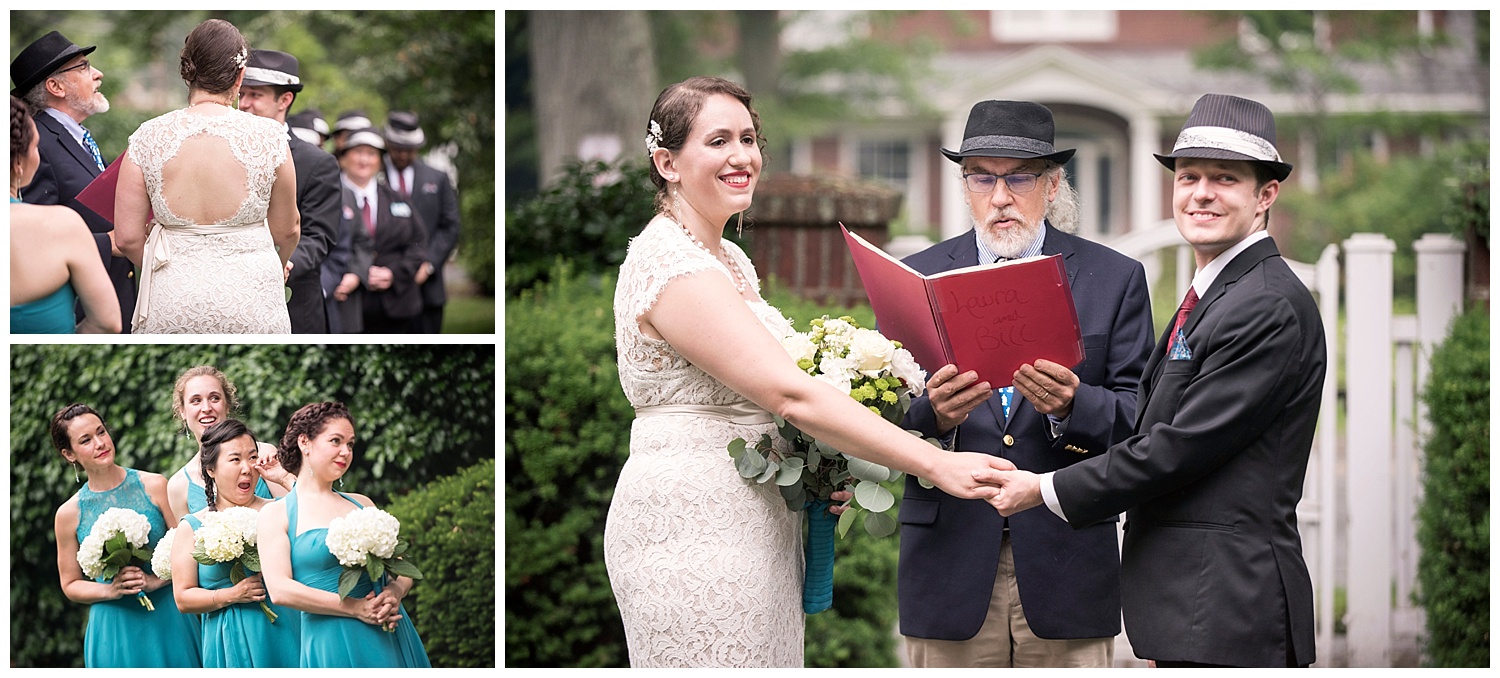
[1224, 127]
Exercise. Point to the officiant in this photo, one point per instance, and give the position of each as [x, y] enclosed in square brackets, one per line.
[55, 77]
[976, 589]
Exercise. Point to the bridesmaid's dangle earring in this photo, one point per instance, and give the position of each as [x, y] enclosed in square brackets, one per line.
[74, 466]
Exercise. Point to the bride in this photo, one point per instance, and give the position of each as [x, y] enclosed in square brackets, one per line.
[707, 569]
[214, 257]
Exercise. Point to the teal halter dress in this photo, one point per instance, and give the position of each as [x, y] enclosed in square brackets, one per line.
[122, 632]
[240, 636]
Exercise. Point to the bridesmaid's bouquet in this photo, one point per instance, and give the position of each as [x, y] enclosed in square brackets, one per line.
[368, 541]
[880, 375]
[117, 539]
[229, 536]
[161, 558]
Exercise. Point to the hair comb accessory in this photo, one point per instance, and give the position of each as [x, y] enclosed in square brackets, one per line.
[652, 139]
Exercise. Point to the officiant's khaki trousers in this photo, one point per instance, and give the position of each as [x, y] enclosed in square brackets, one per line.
[1005, 640]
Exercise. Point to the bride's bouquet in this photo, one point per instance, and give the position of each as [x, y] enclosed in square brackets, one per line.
[368, 541]
[880, 375]
[117, 539]
[228, 536]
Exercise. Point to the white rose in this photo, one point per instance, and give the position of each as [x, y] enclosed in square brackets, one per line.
[870, 352]
[799, 347]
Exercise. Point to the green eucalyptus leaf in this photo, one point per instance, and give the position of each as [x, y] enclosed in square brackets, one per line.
[868, 470]
[846, 521]
[790, 473]
[736, 448]
[873, 496]
[750, 464]
[828, 451]
[878, 524]
[767, 473]
[925, 483]
[794, 495]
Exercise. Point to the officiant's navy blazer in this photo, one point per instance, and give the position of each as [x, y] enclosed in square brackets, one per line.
[66, 168]
[1212, 561]
[950, 548]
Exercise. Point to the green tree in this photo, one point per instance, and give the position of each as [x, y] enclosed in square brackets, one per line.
[421, 413]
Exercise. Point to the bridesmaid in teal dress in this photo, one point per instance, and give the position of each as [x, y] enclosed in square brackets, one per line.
[201, 397]
[121, 632]
[318, 447]
[236, 631]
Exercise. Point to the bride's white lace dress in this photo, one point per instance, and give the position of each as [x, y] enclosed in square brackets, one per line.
[707, 569]
[212, 268]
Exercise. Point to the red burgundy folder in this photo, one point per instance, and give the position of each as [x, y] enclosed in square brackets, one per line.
[991, 319]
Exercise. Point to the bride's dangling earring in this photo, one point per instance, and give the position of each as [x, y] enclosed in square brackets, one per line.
[677, 207]
[739, 225]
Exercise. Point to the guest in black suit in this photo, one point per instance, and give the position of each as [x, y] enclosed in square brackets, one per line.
[432, 196]
[55, 77]
[392, 300]
[341, 286]
[269, 89]
[977, 589]
[1212, 568]
[309, 126]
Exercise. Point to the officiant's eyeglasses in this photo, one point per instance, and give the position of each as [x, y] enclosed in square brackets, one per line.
[82, 65]
[1020, 182]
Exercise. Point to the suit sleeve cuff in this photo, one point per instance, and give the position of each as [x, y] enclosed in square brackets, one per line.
[1049, 496]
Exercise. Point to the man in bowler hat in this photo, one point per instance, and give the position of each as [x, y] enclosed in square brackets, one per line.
[268, 90]
[55, 78]
[976, 589]
[1212, 566]
[432, 196]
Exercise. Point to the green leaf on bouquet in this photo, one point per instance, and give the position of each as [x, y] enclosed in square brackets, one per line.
[750, 464]
[736, 448]
[202, 556]
[893, 413]
[348, 579]
[402, 568]
[116, 543]
[846, 521]
[141, 555]
[827, 450]
[878, 524]
[790, 473]
[768, 473]
[109, 572]
[401, 545]
[251, 560]
[376, 568]
[894, 476]
[925, 483]
[117, 558]
[237, 572]
[873, 496]
[794, 495]
[868, 470]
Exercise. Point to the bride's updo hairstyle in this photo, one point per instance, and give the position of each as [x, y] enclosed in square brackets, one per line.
[308, 421]
[677, 107]
[213, 56]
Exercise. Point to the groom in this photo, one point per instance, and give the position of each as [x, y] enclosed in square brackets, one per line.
[55, 78]
[269, 89]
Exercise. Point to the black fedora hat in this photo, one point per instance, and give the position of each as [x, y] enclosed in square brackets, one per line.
[1224, 127]
[41, 59]
[1009, 129]
[270, 68]
[401, 129]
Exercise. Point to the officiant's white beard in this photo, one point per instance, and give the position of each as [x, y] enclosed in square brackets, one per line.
[90, 104]
[1008, 243]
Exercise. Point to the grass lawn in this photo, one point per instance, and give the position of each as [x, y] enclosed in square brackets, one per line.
[469, 315]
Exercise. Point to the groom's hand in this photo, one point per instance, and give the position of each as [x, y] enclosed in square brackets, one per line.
[286, 271]
[1019, 490]
[954, 395]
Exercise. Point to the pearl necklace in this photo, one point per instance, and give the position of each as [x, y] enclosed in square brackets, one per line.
[739, 278]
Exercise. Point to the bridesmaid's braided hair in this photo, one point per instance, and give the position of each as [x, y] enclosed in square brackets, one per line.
[21, 130]
[308, 421]
[675, 110]
[212, 56]
[208, 452]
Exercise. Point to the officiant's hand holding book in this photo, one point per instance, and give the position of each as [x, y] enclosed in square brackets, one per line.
[991, 319]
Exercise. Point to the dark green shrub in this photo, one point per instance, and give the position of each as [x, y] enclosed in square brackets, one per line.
[421, 412]
[1454, 517]
[587, 217]
[451, 523]
[567, 427]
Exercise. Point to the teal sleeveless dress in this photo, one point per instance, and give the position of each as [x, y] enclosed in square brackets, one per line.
[122, 632]
[240, 636]
[52, 314]
[344, 642]
[197, 497]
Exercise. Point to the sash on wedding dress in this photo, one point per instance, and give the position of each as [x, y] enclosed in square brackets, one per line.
[744, 412]
[159, 253]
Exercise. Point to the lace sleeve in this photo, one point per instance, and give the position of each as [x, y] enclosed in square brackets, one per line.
[656, 257]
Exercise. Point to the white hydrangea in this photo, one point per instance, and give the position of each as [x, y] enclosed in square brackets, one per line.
[133, 525]
[226, 534]
[352, 537]
[161, 558]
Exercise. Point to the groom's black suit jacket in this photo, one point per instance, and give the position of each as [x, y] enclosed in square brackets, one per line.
[319, 204]
[66, 168]
[1212, 567]
[1069, 580]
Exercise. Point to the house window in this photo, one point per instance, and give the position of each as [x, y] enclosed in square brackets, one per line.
[885, 160]
[1053, 25]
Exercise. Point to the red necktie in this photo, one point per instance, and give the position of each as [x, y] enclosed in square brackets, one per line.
[401, 177]
[1188, 302]
[369, 218]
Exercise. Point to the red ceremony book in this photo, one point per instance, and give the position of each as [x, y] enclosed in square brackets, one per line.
[99, 195]
[991, 319]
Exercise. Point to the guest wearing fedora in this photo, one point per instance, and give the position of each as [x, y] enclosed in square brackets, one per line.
[347, 123]
[392, 300]
[976, 589]
[432, 196]
[309, 126]
[55, 78]
[269, 89]
[1212, 566]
